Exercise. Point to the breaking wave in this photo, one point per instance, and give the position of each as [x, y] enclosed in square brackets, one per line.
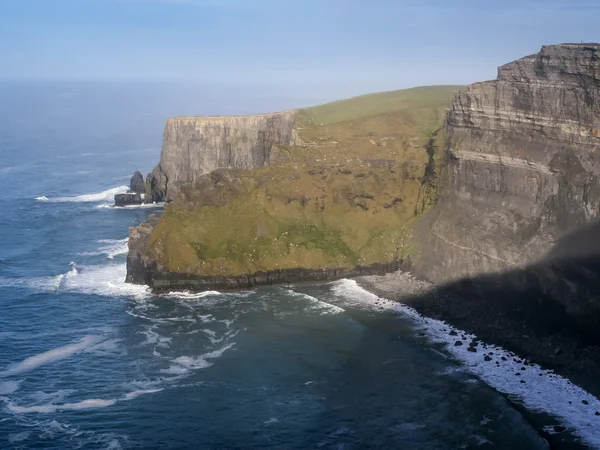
[50, 356]
[316, 304]
[107, 195]
[142, 206]
[110, 248]
[106, 280]
[183, 364]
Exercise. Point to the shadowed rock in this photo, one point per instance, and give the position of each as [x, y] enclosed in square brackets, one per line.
[137, 184]
[128, 199]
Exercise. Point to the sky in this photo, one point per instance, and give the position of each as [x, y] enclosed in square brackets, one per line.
[358, 45]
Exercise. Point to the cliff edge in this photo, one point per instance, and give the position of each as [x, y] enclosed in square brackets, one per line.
[193, 146]
[315, 194]
[523, 157]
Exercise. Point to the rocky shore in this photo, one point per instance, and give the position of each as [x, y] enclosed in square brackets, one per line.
[524, 311]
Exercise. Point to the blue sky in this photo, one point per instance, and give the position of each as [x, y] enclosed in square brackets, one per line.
[362, 44]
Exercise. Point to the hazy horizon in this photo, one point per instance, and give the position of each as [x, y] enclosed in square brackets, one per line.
[346, 47]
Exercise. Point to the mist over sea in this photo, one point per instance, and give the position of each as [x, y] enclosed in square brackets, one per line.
[87, 361]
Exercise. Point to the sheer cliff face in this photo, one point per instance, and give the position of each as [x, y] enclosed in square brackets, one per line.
[524, 164]
[193, 146]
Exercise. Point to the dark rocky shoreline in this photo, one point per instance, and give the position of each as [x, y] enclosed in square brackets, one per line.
[523, 311]
[161, 282]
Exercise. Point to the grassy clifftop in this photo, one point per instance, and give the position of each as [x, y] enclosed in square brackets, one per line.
[349, 194]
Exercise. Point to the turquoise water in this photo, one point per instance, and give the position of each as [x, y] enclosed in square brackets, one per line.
[87, 361]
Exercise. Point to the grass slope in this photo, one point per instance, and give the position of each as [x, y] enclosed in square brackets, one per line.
[349, 195]
[381, 103]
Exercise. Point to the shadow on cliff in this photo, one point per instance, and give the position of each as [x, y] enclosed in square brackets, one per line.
[548, 312]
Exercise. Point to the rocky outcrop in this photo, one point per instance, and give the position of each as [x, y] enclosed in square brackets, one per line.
[137, 183]
[128, 199]
[523, 165]
[193, 146]
[136, 193]
[138, 262]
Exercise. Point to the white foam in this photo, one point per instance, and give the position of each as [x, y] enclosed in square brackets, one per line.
[137, 393]
[207, 318]
[56, 354]
[107, 195]
[186, 295]
[108, 346]
[52, 397]
[142, 206]
[111, 248]
[8, 387]
[107, 280]
[323, 307]
[548, 392]
[52, 408]
[184, 364]
[352, 295]
[57, 282]
[19, 437]
[153, 338]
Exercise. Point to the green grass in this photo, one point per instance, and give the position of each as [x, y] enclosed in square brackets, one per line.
[381, 103]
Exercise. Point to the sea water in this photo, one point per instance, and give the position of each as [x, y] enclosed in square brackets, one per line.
[88, 361]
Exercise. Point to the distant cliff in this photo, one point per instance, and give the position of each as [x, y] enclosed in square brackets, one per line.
[193, 146]
[523, 165]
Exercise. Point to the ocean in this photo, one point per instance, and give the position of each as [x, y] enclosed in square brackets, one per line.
[88, 361]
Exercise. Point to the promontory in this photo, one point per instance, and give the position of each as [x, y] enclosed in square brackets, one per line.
[447, 181]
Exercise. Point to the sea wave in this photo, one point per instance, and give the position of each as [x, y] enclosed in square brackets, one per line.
[107, 195]
[9, 387]
[183, 364]
[111, 248]
[316, 304]
[51, 402]
[137, 393]
[53, 355]
[186, 295]
[52, 408]
[142, 206]
[105, 280]
[553, 394]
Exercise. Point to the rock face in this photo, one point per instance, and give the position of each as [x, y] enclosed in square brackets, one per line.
[193, 146]
[138, 263]
[523, 165]
[137, 184]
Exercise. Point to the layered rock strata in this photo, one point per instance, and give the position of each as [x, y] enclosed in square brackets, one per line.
[523, 165]
[194, 146]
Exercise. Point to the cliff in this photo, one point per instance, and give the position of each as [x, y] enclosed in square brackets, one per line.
[193, 146]
[523, 165]
[314, 194]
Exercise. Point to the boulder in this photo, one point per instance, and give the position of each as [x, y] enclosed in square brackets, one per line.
[131, 198]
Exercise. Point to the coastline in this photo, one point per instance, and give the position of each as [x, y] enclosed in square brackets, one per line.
[518, 329]
[160, 282]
